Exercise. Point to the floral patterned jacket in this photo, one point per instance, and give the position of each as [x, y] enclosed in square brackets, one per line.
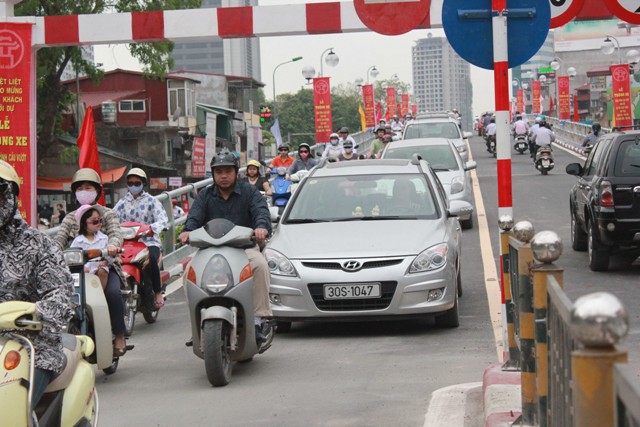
[32, 269]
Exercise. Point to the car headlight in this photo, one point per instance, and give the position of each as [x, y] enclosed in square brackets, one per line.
[217, 276]
[430, 259]
[457, 185]
[279, 264]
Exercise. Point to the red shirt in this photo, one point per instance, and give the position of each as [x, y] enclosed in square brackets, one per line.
[277, 162]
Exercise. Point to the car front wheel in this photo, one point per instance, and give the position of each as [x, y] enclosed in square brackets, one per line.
[578, 236]
[598, 255]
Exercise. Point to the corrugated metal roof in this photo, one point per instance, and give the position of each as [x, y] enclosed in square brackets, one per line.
[95, 99]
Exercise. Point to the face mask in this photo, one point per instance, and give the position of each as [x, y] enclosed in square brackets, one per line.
[304, 156]
[135, 189]
[334, 142]
[348, 150]
[86, 197]
[8, 208]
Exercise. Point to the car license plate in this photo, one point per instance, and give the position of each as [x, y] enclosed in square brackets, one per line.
[356, 290]
[545, 163]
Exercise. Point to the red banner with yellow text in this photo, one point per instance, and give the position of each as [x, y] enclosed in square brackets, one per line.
[520, 100]
[391, 101]
[414, 109]
[621, 93]
[405, 104]
[535, 97]
[564, 98]
[198, 165]
[322, 108]
[369, 109]
[15, 108]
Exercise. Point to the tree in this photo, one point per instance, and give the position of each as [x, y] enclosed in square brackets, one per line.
[53, 98]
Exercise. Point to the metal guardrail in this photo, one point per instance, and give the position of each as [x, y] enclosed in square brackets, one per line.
[571, 132]
[573, 377]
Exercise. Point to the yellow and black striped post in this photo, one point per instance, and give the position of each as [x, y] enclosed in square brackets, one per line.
[527, 336]
[513, 354]
[540, 272]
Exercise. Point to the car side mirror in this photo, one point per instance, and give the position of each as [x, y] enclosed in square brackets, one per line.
[574, 169]
[459, 208]
[470, 165]
[467, 135]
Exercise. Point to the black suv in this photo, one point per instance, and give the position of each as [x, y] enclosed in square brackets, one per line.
[605, 202]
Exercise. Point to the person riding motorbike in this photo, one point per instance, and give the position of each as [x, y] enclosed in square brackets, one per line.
[242, 204]
[284, 159]
[140, 206]
[334, 149]
[343, 133]
[33, 270]
[591, 139]
[376, 144]
[543, 137]
[87, 186]
[532, 131]
[254, 177]
[396, 124]
[305, 160]
[347, 153]
[491, 132]
[520, 127]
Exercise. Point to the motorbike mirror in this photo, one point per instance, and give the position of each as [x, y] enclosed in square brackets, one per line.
[362, 157]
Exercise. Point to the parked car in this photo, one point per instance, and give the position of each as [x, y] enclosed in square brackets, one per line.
[605, 201]
[372, 239]
[438, 125]
[445, 160]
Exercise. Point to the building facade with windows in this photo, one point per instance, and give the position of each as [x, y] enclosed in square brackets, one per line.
[441, 78]
[237, 57]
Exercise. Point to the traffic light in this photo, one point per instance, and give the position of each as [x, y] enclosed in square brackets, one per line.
[265, 113]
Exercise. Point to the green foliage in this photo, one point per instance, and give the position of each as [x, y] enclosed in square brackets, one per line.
[268, 138]
[69, 155]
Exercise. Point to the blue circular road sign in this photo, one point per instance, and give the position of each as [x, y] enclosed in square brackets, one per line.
[467, 24]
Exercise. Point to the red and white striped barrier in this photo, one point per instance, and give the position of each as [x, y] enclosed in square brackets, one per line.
[207, 23]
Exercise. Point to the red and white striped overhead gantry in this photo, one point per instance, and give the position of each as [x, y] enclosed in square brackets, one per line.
[193, 24]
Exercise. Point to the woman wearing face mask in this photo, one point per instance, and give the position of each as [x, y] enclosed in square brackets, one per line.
[87, 186]
[139, 206]
[347, 152]
[334, 149]
[305, 160]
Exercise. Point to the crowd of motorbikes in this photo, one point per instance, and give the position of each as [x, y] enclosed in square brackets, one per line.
[542, 155]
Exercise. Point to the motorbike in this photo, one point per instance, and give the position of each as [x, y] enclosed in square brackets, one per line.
[137, 291]
[281, 192]
[92, 312]
[544, 159]
[296, 178]
[492, 144]
[218, 283]
[70, 399]
[521, 145]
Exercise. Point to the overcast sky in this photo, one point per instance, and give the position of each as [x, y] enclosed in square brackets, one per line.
[357, 52]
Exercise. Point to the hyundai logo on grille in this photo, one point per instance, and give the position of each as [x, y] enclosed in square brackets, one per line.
[352, 265]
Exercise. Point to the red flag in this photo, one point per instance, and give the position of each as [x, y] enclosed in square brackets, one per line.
[378, 112]
[550, 104]
[88, 144]
[576, 113]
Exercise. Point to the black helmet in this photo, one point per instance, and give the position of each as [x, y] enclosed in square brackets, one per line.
[596, 127]
[225, 159]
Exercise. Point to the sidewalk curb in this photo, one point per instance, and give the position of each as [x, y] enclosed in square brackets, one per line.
[501, 392]
[571, 147]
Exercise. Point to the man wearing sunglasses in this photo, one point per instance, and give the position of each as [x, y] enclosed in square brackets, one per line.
[142, 207]
[284, 159]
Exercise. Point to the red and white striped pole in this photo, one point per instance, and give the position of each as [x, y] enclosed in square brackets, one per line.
[503, 137]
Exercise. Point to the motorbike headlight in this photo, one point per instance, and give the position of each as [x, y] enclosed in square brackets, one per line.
[217, 276]
[73, 257]
[279, 264]
[128, 233]
[457, 184]
[430, 259]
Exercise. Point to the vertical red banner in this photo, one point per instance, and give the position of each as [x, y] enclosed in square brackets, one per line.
[198, 165]
[621, 94]
[391, 101]
[535, 97]
[414, 109]
[576, 112]
[369, 109]
[16, 146]
[322, 108]
[405, 104]
[520, 100]
[564, 98]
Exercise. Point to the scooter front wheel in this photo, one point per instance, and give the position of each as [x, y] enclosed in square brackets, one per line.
[217, 351]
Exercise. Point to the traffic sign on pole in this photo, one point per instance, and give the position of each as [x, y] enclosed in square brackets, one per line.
[392, 17]
[627, 10]
[467, 24]
[563, 11]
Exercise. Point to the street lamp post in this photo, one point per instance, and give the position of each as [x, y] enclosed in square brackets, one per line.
[608, 47]
[273, 80]
[373, 72]
[331, 60]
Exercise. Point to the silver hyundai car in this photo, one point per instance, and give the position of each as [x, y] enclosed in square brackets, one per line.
[371, 239]
[445, 161]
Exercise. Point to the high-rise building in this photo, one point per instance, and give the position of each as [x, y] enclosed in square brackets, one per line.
[233, 57]
[441, 78]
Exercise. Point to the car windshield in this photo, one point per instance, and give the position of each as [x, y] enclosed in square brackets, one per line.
[432, 130]
[363, 198]
[628, 159]
[440, 157]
